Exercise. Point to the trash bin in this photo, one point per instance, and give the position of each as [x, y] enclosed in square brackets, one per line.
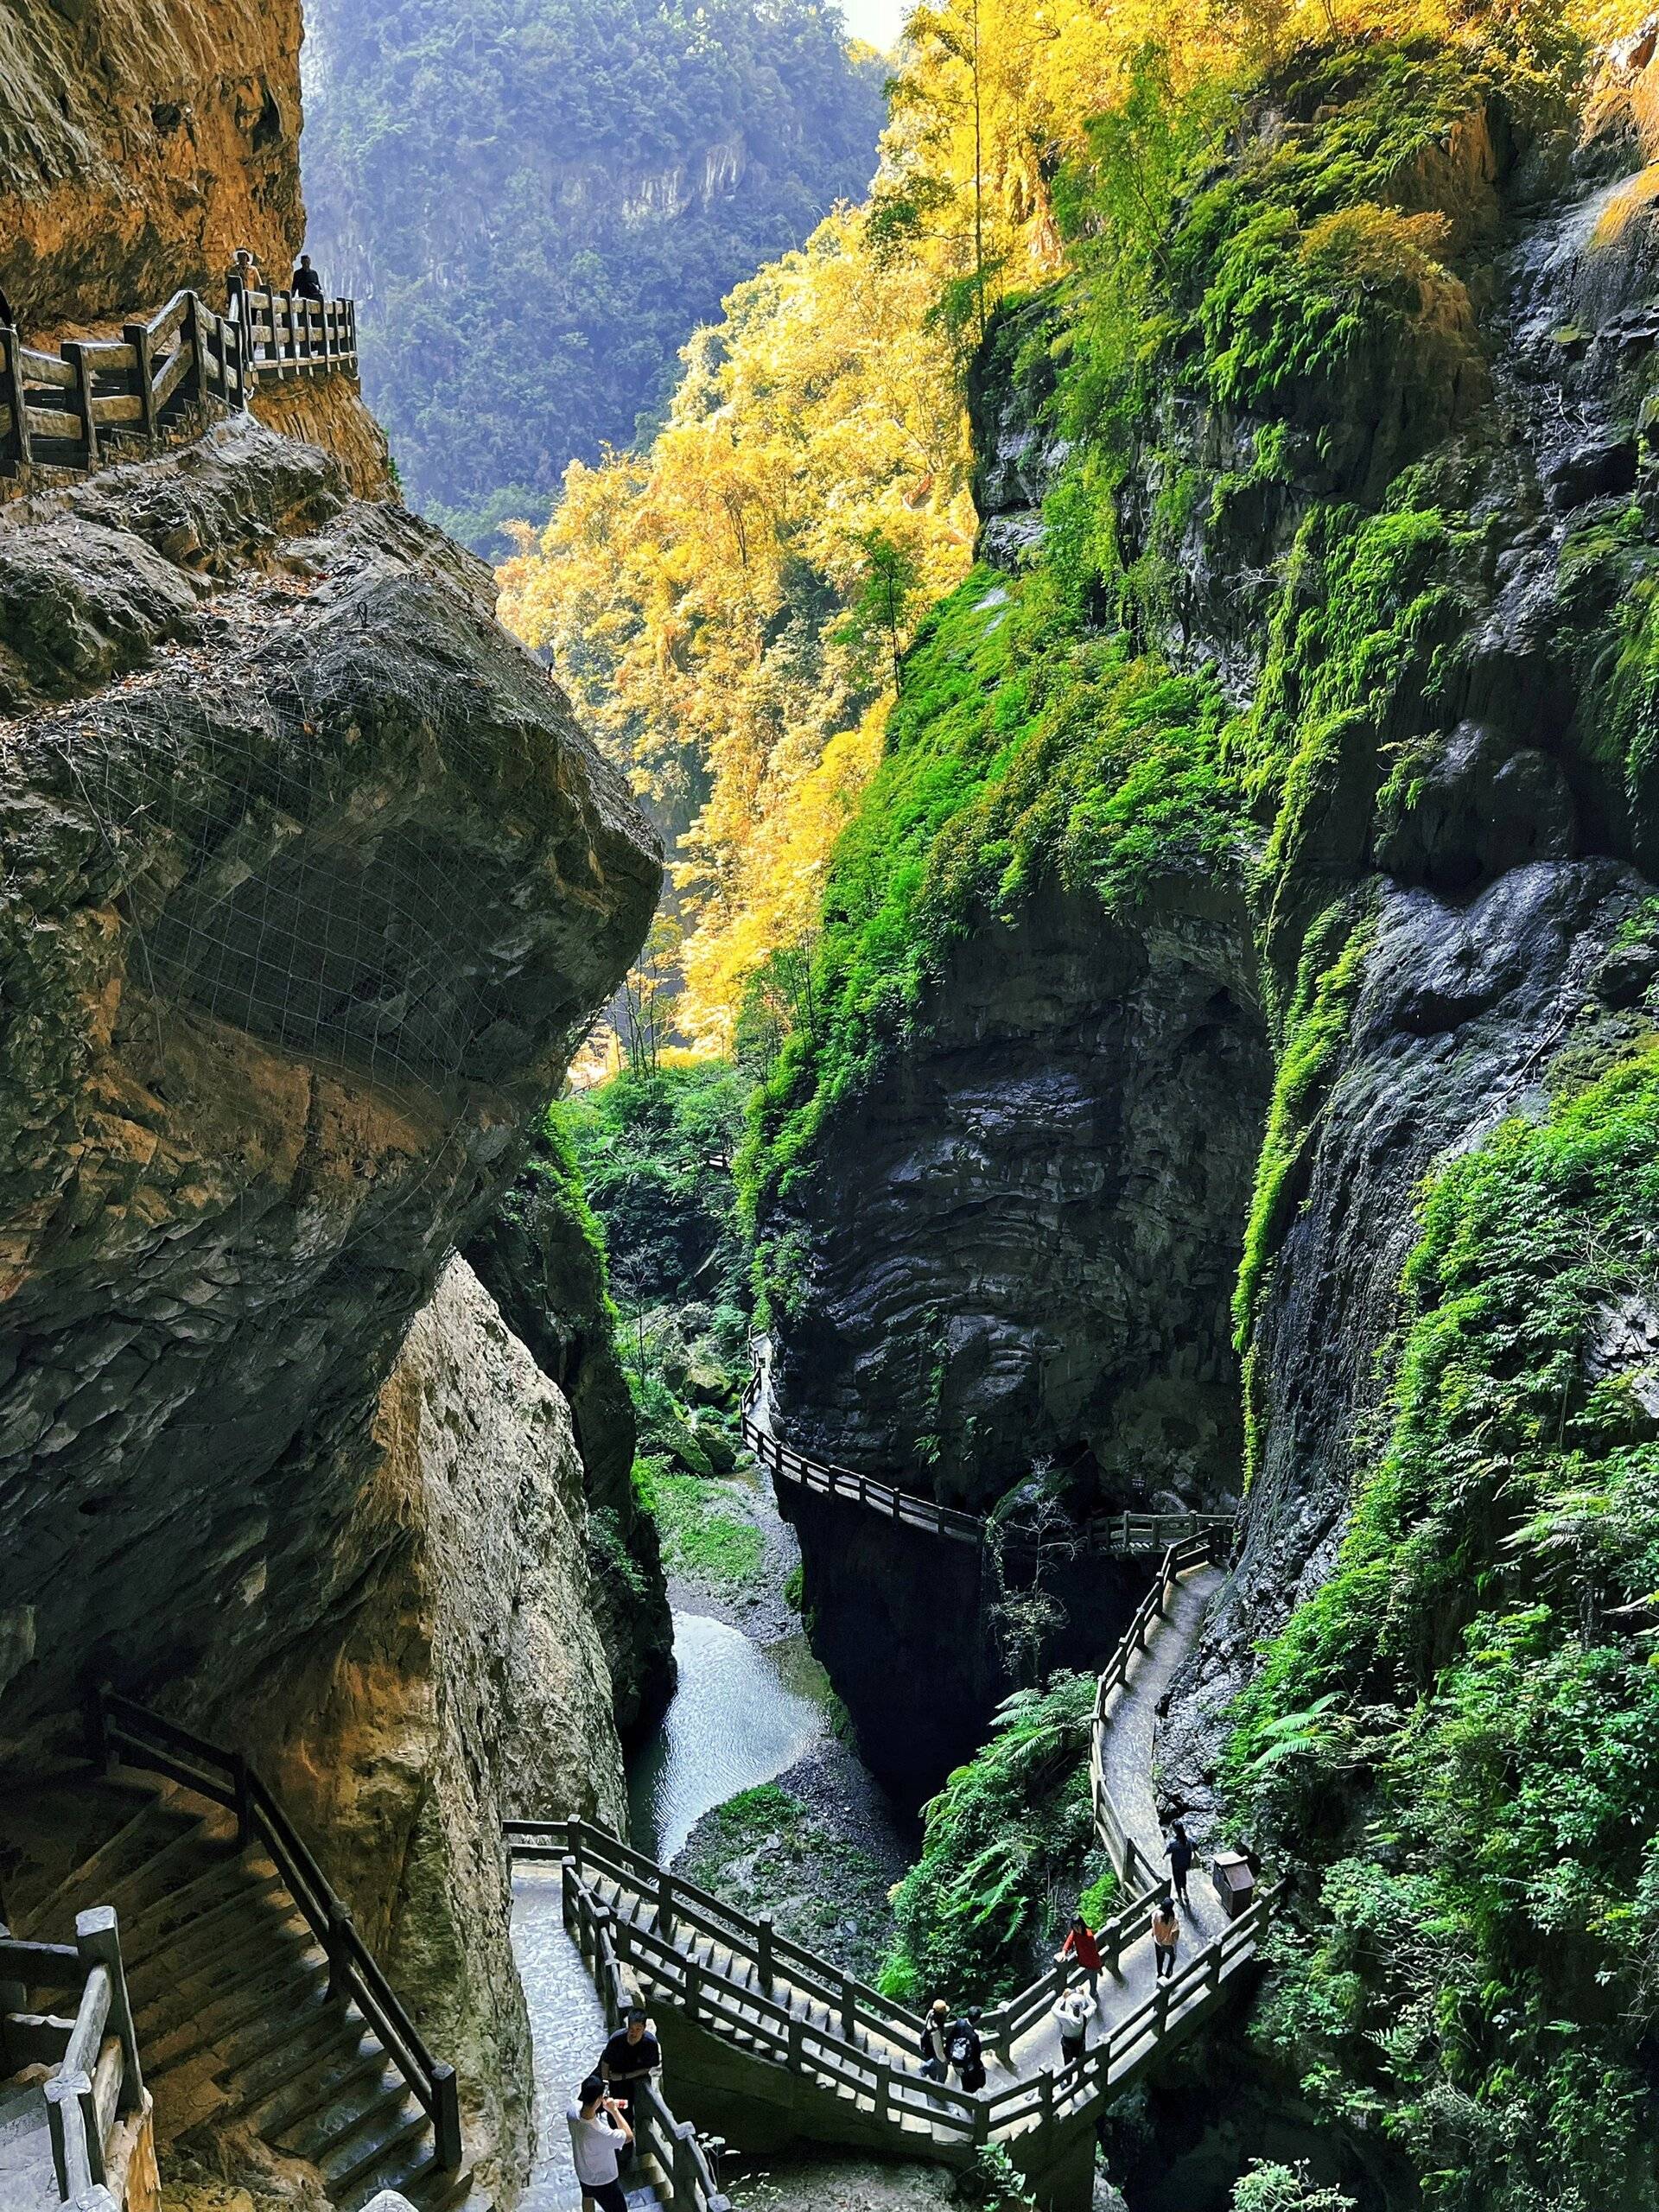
[1235, 1881]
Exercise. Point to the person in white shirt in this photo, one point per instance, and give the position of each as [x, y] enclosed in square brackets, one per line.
[599, 2134]
[1072, 2012]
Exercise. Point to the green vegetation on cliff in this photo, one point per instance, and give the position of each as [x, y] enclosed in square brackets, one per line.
[1008, 1846]
[654, 1151]
[1458, 1736]
[538, 201]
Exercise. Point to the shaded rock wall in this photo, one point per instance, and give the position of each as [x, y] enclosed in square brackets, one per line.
[464, 1682]
[304, 920]
[310, 884]
[540, 1260]
[1050, 1189]
[141, 142]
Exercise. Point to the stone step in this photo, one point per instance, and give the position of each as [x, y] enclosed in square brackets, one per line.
[215, 1956]
[246, 2020]
[158, 1925]
[329, 2100]
[281, 2042]
[373, 2146]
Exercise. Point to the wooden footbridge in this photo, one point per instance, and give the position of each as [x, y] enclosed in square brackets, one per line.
[774, 2043]
[1120, 1535]
[97, 399]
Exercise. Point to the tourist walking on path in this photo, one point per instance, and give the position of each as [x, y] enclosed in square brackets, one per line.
[935, 2056]
[631, 2057]
[1178, 1852]
[242, 277]
[600, 2134]
[1165, 1935]
[1080, 1945]
[1072, 2017]
[305, 283]
[962, 2047]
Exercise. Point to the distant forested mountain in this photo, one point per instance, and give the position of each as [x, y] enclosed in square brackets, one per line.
[536, 201]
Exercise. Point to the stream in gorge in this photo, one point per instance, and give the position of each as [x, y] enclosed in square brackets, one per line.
[752, 1706]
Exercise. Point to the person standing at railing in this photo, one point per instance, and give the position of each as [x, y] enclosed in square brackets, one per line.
[600, 2133]
[305, 283]
[1071, 2018]
[1080, 1945]
[630, 2058]
[241, 278]
[1178, 1852]
[1166, 1937]
[8, 320]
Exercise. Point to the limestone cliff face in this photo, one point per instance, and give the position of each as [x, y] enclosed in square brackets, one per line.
[463, 1683]
[141, 142]
[310, 884]
[1021, 1240]
[1052, 1186]
[541, 1260]
[305, 915]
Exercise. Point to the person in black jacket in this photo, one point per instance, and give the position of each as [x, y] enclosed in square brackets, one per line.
[8, 320]
[1178, 1852]
[305, 282]
[962, 2047]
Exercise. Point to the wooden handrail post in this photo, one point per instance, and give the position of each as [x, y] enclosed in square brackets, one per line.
[693, 1988]
[664, 1905]
[242, 1799]
[337, 1946]
[11, 396]
[66, 2090]
[883, 2088]
[97, 1939]
[568, 1909]
[763, 1950]
[795, 2044]
[849, 2008]
[136, 334]
[446, 2117]
[74, 353]
[193, 333]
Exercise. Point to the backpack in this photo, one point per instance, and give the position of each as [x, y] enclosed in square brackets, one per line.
[959, 2046]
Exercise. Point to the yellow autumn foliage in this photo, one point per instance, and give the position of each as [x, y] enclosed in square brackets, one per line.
[696, 597]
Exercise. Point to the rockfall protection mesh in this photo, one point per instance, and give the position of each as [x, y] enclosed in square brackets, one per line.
[329, 924]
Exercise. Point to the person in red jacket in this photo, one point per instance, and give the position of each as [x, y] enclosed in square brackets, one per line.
[1080, 1945]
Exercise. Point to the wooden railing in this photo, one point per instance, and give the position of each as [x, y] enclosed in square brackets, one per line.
[672, 2143]
[792, 2009]
[97, 396]
[863, 2012]
[130, 1733]
[99, 2081]
[1118, 1534]
[1134, 1870]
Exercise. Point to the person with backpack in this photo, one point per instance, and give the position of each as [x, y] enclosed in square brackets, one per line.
[964, 2050]
[600, 2134]
[936, 2058]
[1179, 1853]
[1072, 2017]
[1165, 1935]
[1080, 1945]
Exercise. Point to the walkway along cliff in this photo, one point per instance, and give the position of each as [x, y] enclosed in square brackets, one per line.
[778, 2047]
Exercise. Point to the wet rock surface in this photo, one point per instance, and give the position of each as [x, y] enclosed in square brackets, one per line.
[1050, 1188]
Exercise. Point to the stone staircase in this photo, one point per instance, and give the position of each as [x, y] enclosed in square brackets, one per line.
[229, 1990]
[27, 2182]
